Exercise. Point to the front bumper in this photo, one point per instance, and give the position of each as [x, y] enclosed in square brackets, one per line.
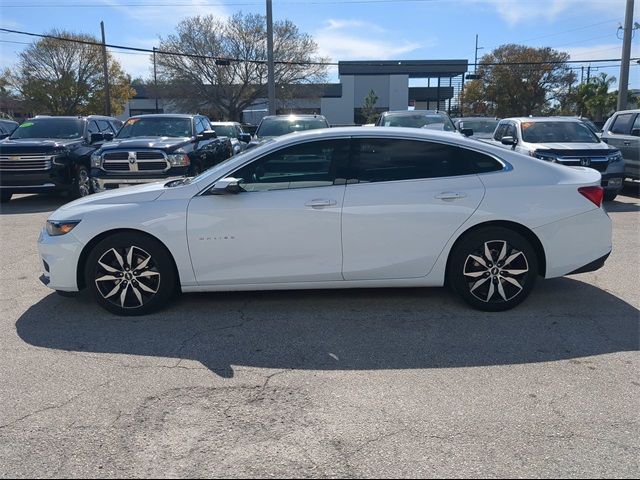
[60, 255]
[102, 180]
[36, 181]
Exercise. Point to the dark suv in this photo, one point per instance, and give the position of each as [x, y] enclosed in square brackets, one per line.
[47, 154]
[150, 148]
[622, 131]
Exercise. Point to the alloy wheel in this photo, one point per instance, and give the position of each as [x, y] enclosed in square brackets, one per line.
[84, 183]
[497, 272]
[127, 277]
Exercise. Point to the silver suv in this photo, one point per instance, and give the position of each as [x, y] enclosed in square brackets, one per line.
[567, 141]
[622, 131]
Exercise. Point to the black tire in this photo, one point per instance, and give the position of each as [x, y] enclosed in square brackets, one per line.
[5, 197]
[492, 287]
[81, 182]
[194, 170]
[610, 195]
[130, 291]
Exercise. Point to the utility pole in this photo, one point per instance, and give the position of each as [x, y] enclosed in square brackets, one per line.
[626, 56]
[107, 98]
[588, 73]
[271, 84]
[155, 78]
[475, 61]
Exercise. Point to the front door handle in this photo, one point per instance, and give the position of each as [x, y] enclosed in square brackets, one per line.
[450, 195]
[320, 202]
[627, 143]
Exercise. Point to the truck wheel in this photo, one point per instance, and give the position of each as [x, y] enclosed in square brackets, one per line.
[81, 182]
[5, 197]
[610, 195]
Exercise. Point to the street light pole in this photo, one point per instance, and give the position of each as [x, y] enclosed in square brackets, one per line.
[475, 61]
[107, 98]
[155, 79]
[271, 84]
[626, 57]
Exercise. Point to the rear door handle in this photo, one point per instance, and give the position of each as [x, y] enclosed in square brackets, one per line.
[450, 195]
[320, 202]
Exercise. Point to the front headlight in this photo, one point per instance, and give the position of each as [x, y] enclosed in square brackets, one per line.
[96, 160]
[614, 157]
[60, 156]
[55, 227]
[178, 159]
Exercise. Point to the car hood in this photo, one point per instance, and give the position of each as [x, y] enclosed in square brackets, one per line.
[164, 143]
[572, 146]
[24, 145]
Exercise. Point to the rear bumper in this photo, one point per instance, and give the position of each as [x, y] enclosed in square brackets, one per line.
[591, 266]
[573, 243]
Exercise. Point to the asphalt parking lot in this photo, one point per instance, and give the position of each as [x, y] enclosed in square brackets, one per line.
[405, 382]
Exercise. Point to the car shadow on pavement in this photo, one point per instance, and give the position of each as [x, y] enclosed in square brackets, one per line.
[21, 204]
[345, 329]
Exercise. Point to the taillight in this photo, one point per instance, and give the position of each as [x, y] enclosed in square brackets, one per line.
[595, 194]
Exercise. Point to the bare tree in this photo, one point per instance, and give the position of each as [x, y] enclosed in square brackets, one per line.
[66, 78]
[224, 91]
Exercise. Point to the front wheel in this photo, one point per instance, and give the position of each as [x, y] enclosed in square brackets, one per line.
[493, 269]
[130, 274]
[81, 182]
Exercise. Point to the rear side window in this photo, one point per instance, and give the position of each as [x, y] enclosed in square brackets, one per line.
[622, 124]
[387, 160]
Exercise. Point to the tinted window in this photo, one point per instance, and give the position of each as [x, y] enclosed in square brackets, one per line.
[93, 127]
[551, 132]
[500, 131]
[50, 128]
[199, 126]
[206, 123]
[480, 126]
[225, 130]
[511, 131]
[622, 124]
[156, 127]
[636, 127]
[275, 127]
[385, 160]
[311, 164]
[105, 126]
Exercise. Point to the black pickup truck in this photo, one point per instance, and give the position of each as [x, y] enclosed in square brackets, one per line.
[46, 154]
[151, 148]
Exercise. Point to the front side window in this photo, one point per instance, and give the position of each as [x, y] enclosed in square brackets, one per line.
[64, 128]
[502, 128]
[105, 127]
[386, 160]
[557, 132]
[156, 127]
[622, 123]
[635, 129]
[311, 164]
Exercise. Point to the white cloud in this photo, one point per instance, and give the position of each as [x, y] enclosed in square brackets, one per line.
[548, 10]
[168, 15]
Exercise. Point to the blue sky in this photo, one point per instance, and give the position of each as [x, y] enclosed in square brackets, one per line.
[348, 29]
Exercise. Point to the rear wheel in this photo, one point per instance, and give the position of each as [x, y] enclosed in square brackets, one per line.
[493, 269]
[130, 274]
[5, 196]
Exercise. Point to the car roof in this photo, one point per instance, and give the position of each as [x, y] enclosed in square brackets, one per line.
[413, 112]
[293, 115]
[168, 115]
[635, 110]
[223, 123]
[543, 119]
[75, 117]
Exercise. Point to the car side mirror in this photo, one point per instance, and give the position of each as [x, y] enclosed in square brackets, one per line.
[467, 132]
[508, 140]
[245, 137]
[206, 135]
[225, 186]
[96, 137]
[635, 132]
[108, 136]
[4, 135]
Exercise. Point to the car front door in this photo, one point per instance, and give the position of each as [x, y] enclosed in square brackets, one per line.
[407, 200]
[620, 136]
[284, 226]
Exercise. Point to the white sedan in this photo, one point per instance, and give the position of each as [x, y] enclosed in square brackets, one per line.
[336, 208]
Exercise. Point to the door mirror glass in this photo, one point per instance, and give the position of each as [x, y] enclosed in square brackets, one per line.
[467, 132]
[96, 137]
[108, 136]
[225, 186]
[508, 140]
[635, 132]
[207, 134]
[245, 137]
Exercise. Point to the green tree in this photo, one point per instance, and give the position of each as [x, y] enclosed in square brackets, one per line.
[66, 78]
[369, 107]
[518, 80]
[226, 90]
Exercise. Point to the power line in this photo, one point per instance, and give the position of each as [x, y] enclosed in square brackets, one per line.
[231, 4]
[224, 60]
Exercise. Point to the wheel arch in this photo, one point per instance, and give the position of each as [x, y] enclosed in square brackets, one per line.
[82, 260]
[516, 227]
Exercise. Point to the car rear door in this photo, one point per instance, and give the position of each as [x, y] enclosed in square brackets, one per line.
[283, 227]
[619, 135]
[404, 202]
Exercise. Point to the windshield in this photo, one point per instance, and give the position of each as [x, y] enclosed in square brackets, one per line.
[50, 128]
[275, 127]
[431, 121]
[480, 126]
[156, 127]
[557, 132]
[224, 130]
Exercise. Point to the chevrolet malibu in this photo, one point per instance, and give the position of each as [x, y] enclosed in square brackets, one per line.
[336, 208]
